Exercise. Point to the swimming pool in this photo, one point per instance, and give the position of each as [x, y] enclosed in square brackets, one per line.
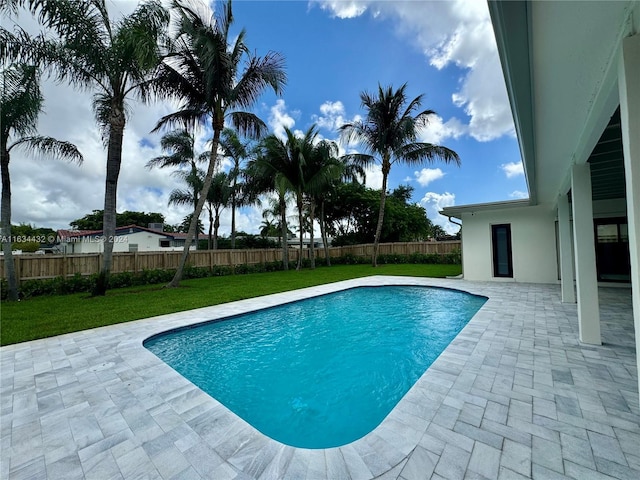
[324, 371]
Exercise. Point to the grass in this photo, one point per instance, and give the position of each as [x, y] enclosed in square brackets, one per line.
[43, 317]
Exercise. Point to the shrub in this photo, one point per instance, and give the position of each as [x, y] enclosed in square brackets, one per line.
[80, 283]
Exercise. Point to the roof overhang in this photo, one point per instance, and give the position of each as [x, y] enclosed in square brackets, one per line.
[560, 63]
[511, 27]
[457, 211]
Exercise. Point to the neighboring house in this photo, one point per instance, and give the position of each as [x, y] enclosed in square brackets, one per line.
[572, 71]
[130, 238]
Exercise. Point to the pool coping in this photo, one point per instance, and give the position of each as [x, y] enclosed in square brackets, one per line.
[246, 449]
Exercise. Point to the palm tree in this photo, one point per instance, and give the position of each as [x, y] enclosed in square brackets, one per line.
[180, 145]
[259, 175]
[345, 170]
[320, 170]
[283, 162]
[204, 73]
[114, 59]
[238, 151]
[390, 130]
[268, 228]
[218, 198]
[20, 104]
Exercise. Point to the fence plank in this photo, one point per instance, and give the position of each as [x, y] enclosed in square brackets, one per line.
[31, 266]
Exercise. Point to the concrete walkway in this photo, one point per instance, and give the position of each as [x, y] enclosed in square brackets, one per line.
[515, 395]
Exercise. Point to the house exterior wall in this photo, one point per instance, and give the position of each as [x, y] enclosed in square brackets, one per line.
[533, 240]
[145, 241]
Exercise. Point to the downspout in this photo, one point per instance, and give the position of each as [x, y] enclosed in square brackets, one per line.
[456, 223]
[460, 225]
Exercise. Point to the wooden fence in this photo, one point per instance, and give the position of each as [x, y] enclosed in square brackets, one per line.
[31, 266]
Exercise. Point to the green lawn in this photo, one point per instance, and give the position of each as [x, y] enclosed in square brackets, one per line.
[42, 317]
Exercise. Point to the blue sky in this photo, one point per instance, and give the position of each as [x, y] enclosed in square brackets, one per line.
[333, 50]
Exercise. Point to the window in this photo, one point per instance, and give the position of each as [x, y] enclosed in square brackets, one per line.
[133, 247]
[165, 243]
[501, 245]
[613, 263]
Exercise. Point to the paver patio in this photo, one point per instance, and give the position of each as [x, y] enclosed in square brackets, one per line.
[515, 395]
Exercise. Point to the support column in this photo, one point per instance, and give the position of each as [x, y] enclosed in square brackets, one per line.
[585, 255]
[566, 253]
[628, 81]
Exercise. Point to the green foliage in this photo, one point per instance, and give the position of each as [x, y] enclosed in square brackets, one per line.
[79, 283]
[352, 215]
[93, 220]
[28, 230]
[27, 247]
[247, 241]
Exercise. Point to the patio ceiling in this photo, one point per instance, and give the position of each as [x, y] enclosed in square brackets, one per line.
[607, 163]
[560, 65]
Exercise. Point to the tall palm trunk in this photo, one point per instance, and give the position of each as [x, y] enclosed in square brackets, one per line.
[300, 222]
[114, 161]
[211, 245]
[323, 235]
[194, 172]
[216, 226]
[5, 223]
[233, 213]
[312, 251]
[283, 231]
[386, 167]
[175, 281]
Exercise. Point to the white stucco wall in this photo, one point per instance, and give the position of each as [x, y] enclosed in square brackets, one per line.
[146, 241]
[533, 238]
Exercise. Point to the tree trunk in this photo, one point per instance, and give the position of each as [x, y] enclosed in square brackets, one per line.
[312, 251]
[216, 226]
[323, 235]
[386, 166]
[210, 244]
[194, 172]
[233, 211]
[300, 220]
[175, 282]
[283, 230]
[114, 161]
[5, 224]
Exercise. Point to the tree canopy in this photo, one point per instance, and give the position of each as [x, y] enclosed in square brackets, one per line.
[352, 212]
[93, 220]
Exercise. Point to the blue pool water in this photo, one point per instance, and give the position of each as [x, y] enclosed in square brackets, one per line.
[325, 371]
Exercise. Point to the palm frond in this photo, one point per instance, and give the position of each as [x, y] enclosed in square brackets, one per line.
[416, 153]
[21, 100]
[248, 124]
[180, 197]
[259, 73]
[43, 146]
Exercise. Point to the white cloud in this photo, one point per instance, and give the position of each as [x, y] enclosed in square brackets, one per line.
[332, 115]
[373, 176]
[512, 169]
[279, 118]
[457, 32]
[433, 203]
[519, 194]
[343, 8]
[427, 175]
[437, 131]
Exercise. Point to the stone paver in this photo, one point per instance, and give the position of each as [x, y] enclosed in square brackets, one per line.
[514, 396]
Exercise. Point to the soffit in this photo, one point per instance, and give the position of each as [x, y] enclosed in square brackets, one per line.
[607, 163]
[572, 52]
